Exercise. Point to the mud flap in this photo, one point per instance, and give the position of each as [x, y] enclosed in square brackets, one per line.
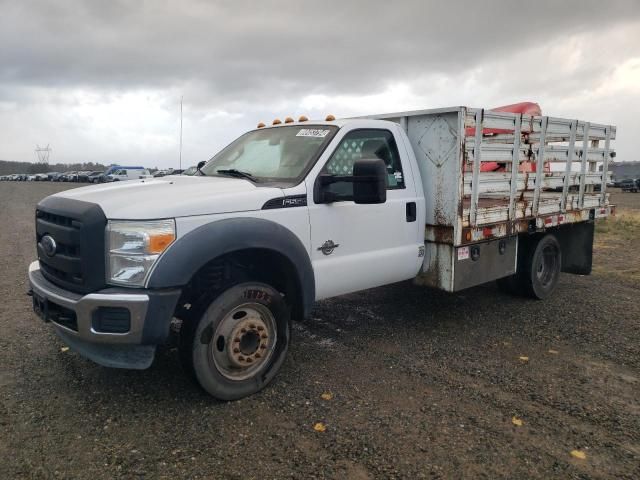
[576, 244]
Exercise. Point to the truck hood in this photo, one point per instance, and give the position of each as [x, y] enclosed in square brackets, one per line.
[174, 196]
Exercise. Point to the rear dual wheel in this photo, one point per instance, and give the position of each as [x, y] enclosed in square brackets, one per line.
[538, 271]
[239, 341]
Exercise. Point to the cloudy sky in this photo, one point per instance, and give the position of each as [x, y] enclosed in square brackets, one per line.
[102, 80]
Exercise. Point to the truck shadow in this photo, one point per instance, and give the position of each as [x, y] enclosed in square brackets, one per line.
[374, 323]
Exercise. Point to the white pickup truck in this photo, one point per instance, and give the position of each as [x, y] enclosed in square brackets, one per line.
[305, 210]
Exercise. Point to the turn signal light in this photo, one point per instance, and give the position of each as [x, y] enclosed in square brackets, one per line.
[276, 122]
[303, 118]
[288, 120]
[261, 125]
[330, 118]
[159, 242]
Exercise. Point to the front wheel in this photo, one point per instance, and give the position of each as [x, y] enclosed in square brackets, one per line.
[238, 344]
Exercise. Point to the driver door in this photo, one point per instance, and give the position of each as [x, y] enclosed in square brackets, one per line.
[356, 246]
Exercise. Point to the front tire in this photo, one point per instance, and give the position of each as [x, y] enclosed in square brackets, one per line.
[239, 342]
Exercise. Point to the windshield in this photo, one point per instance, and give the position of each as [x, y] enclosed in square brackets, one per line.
[272, 154]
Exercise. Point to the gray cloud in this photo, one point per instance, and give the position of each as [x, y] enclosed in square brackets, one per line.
[234, 46]
[237, 61]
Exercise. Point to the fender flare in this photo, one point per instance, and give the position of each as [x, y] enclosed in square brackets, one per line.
[189, 253]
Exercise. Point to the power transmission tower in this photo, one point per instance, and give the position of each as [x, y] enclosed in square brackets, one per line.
[43, 153]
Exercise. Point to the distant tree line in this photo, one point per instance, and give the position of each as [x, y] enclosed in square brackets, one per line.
[7, 168]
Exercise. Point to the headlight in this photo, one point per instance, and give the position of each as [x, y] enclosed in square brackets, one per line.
[134, 246]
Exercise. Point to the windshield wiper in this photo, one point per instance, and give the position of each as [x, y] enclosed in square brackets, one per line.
[237, 173]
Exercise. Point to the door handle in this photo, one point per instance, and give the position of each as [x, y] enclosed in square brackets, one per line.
[411, 211]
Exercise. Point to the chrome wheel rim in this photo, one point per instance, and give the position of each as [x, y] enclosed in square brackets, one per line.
[244, 341]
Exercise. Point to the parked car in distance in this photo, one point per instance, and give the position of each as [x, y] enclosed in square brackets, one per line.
[40, 177]
[123, 174]
[67, 176]
[164, 173]
[83, 176]
[190, 171]
[629, 185]
[96, 177]
[113, 168]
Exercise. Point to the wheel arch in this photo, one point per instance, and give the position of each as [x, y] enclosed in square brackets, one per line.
[268, 247]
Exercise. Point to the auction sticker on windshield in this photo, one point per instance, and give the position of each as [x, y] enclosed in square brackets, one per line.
[312, 132]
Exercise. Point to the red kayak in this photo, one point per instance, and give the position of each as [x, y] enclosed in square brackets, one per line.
[525, 108]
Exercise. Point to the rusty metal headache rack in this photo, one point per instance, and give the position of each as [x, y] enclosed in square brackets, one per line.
[545, 171]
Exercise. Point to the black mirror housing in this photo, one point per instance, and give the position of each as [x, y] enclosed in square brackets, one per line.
[369, 181]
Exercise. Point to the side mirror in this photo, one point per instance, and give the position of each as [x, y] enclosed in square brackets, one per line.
[369, 181]
[201, 164]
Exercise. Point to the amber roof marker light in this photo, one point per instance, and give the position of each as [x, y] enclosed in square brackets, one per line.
[261, 125]
[277, 121]
[330, 118]
[303, 118]
[288, 120]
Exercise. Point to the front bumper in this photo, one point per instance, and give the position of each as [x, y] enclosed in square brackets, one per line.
[114, 327]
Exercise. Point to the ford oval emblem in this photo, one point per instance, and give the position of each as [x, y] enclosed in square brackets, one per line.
[49, 245]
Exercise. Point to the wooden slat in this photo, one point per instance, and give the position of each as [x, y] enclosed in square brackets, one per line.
[477, 155]
[583, 164]
[567, 169]
[515, 167]
[540, 165]
[605, 168]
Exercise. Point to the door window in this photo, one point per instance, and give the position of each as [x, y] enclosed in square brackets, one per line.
[367, 144]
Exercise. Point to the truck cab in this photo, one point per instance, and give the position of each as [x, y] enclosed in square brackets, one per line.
[298, 212]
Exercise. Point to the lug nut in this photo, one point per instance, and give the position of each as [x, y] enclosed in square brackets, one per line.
[260, 328]
[236, 350]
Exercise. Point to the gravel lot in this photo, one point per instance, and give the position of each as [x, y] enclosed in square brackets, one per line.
[423, 384]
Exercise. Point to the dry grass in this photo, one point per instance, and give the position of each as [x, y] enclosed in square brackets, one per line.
[625, 225]
[617, 246]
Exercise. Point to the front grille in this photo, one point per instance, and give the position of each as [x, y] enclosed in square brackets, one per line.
[78, 231]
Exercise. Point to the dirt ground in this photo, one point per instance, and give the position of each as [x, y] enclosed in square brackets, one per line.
[422, 384]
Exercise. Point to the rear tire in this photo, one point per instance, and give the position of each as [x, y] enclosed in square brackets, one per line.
[542, 264]
[538, 270]
[239, 342]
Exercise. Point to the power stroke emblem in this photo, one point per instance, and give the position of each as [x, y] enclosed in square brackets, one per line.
[49, 245]
[328, 247]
